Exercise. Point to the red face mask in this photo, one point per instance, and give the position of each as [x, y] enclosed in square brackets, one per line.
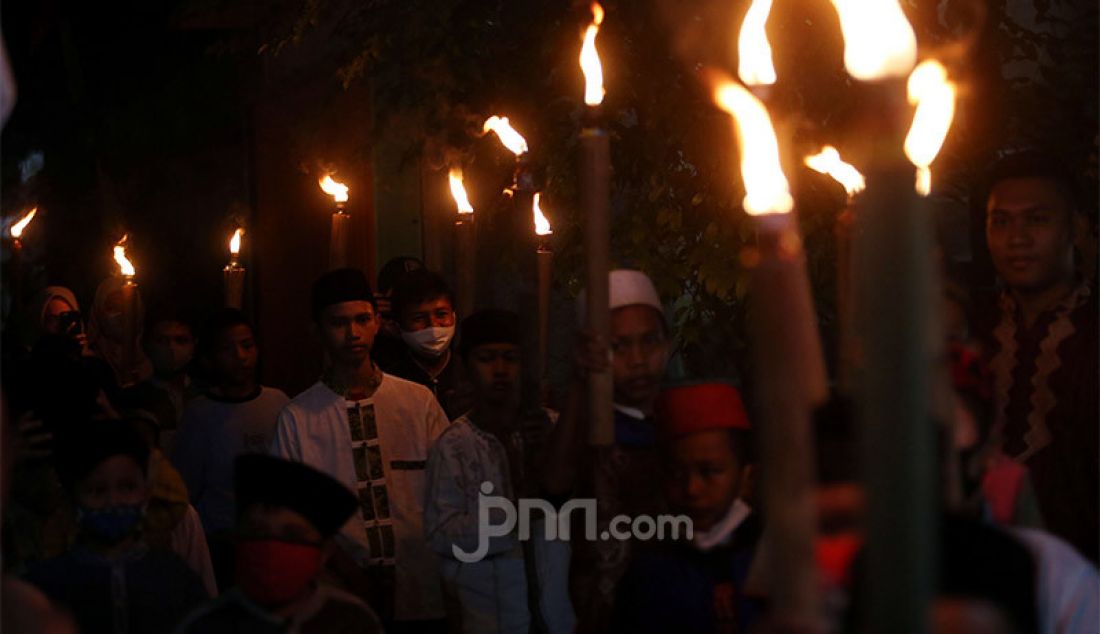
[835, 554]
[273, 572]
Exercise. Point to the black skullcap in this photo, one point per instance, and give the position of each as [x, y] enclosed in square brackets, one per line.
[83, 448]
[489, 326]
[264, 479]
[338, 286]
[394, 269]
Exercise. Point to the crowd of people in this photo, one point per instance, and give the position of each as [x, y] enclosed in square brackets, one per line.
[154, 484]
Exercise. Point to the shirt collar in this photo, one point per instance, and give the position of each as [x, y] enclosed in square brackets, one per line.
[721, 532]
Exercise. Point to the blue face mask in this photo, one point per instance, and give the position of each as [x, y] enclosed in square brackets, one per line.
[112, 524]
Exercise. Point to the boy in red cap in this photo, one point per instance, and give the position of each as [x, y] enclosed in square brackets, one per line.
[696, 585]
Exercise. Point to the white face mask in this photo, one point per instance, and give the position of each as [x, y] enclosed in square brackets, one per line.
[430, 342]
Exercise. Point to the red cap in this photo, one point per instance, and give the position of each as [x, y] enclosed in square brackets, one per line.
[695, 408]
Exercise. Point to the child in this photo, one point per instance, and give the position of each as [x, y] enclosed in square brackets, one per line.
[697, 585]
[288, 516]
[110, 579]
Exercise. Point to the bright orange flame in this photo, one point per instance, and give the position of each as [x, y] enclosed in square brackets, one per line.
[125, 267]
[18, 228]
[754, 53]
[766, 188]
[458, 192]
[338, 191]
[511, 139]
[235, 242]
[828, 161]
[590, 60]
[542, 224]
[934, 95]
[878, 39]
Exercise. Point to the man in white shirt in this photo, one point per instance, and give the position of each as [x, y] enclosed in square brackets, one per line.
[372, 432]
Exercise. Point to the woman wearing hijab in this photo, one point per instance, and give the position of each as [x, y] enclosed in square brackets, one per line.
[108, 339]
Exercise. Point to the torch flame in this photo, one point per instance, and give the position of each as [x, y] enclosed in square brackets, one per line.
[18, 228]
[125, 267]
[766, 187]
[338, 191]
[511, 139]
[458, 192]
[828, 161]
[934, 96]
[235, 242]
[542, 225]
[754, 65]
[878, 39]
[590, 60]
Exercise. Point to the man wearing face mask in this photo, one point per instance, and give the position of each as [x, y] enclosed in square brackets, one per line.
[288, 517]
[110, 578]
[423, 307]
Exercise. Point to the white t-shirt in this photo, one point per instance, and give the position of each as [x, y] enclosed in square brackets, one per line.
[315, 429]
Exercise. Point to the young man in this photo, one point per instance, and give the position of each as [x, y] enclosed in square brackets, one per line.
[625, 478]
[1042, 341]
[170, 344]
[237, 415]
[289, 515]
[110, 579]
[423, 307]
[372, 432]
[498, 442]
[698, 586]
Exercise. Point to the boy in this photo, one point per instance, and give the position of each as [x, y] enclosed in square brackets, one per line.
[110, 579]
[497, 442]
[236, 415]
[423, 307]
[371, 431]
[289, 516]
[698, 586]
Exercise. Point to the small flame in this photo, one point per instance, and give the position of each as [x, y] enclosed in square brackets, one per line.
[590, 60]
[828, 161]
[542, 225]
[878, 39]
[934, 96]
[511, 139]
[458, 192]
[767, 191]
[18, 228]
[235, 242]
[754, 65]
[338, 191]
[125, 267]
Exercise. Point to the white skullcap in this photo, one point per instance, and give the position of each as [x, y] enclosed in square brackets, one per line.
[627, 288]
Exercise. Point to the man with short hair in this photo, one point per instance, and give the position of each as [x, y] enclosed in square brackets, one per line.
[423, 307]
[289, 515]
[372, 432]
[1042, 342]
[170, 345]
[624, 478]
[498, 442]
[235, 416]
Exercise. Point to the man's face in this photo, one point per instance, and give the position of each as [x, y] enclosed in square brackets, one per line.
[235, 355]
[495, 370]
[117, 481]
[171, 346]
[1030, 235]
[434, 313]
[277, 522]
[639, 351]
[347, 332]
[704, 476]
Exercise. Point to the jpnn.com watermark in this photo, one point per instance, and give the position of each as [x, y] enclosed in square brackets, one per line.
[558, 523]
